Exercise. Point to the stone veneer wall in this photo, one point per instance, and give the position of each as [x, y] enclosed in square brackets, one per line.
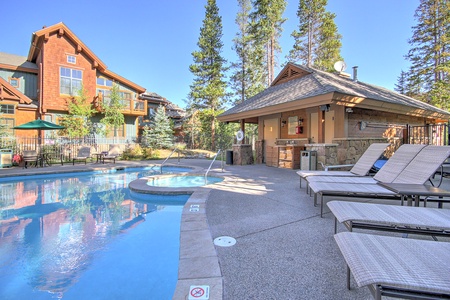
[342, 151]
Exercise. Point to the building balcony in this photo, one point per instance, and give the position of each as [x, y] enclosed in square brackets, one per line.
[133, 107]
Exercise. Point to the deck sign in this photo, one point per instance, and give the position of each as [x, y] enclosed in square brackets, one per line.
[199, 292]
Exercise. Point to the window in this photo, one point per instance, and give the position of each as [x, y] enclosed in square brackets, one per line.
[70, 81]
[7, 109]
[104, 81]
[14, 82]
[118, 131]
[292, 124]
[10, 123]
[71, 59]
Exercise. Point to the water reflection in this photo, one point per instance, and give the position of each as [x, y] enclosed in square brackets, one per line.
[51, 229]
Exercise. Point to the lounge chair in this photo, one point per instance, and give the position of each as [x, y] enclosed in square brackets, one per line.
[417, 172]
[112, 154]
[404, 219]
[361, 168]
[83, 154]
[397, 267]
[388, 173]
[30, 156]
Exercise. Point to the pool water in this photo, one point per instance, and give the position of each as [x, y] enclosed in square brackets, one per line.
[86, 236]
[182, 181]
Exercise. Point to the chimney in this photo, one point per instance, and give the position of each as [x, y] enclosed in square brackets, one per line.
[355, 73]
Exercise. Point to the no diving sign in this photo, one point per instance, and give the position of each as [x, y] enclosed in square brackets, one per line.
[199, 292]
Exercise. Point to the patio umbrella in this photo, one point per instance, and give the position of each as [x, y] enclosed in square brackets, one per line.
[39, 125]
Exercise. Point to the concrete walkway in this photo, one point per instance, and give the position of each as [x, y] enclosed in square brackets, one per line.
[283, 249]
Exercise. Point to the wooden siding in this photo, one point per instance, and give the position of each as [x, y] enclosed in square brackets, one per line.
[27, 82]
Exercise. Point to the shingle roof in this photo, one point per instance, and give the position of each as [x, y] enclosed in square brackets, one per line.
[16, 61]
[320, 83]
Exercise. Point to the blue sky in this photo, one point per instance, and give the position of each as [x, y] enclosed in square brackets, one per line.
[150, 41]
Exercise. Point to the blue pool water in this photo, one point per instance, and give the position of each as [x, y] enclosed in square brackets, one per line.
[86, 236]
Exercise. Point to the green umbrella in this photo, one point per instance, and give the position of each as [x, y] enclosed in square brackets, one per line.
[39, 125]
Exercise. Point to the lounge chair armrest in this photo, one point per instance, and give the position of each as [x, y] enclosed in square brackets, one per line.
[327, 168]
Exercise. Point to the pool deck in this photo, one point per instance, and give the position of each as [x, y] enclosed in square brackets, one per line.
[284, 249]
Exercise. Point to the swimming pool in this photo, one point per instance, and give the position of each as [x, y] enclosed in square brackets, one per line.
[85, 235]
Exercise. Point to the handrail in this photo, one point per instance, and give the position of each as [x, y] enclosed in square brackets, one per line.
[167, 158]
[214, 159]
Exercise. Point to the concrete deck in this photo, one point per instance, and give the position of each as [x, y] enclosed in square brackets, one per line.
[284, 249]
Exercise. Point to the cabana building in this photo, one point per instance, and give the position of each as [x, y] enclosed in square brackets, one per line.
[332, 114]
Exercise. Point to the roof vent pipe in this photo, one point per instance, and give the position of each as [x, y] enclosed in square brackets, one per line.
[355, 73]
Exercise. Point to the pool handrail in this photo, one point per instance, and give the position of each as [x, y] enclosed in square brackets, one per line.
[174, 149]
[209, 168]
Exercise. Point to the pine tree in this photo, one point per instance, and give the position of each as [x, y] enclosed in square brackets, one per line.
[401, 85]
[208, 91]
[247, 79]
[428, 76]
[317, 42]
[266, 27]
[160, 135]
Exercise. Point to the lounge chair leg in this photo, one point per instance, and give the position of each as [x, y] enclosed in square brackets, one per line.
[321, 205]
[348, 277]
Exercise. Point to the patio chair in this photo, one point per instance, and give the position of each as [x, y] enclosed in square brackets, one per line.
[30, 156]
[83, 154]
[390, 170]
[397, 267]
[361, 168]
[112, 154]
[403, 219]
[417, 172]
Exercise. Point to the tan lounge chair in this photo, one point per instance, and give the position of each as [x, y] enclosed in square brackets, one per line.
[397, 267]
[112, 154]
[30, 156]
[390, 170]
[403, 219]
[83, 154]
[361, 168]
[418, 171]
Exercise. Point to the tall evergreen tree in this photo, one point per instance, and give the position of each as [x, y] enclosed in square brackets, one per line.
[317, 42]
[401, 86]
[208, 91]
[266, 27]
[428, 76]
[247, 77]
[160, 135]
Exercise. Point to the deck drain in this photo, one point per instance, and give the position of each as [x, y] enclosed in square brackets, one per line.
[224, 241]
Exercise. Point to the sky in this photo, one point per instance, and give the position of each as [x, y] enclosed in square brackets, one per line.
[150, 42]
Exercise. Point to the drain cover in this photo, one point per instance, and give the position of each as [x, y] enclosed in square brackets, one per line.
[224, 241]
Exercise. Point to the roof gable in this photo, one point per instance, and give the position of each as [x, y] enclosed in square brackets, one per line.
[8, 92]
[40, 36]
[289, 72]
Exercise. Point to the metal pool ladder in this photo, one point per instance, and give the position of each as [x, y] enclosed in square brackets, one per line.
[214, 159]
[167, 159]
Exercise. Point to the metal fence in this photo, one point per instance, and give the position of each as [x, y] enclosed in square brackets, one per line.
[432, 134]
[61, 147]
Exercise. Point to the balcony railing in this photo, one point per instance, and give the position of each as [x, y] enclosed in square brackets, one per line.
[130, 106]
